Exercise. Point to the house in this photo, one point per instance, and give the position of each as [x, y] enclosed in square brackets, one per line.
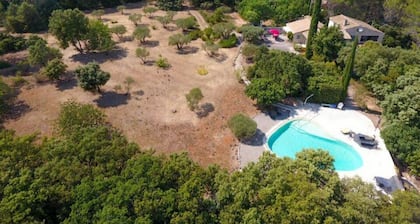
[300, 29]
[352, 27]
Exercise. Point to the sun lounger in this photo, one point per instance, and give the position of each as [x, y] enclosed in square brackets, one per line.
[366, 138]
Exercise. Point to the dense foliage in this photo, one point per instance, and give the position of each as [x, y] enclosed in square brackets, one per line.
[91, 77]
[393, 76]
[242, 126]
[9, 43]
[4, 95]
[89, 173]
[71, 26]
[170, 4]
[327, 43]
[265, 91]
[289, 70]
[325, 83]
[23, 18]
[40, 53]
[281, 11]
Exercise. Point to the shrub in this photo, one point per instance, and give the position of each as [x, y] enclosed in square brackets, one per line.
[18, 81]
[91, 77]
[9, 43]
[290, 36]
[54, 69]
[162, 63]
[229, 43]
[193, 98]
[242, 126]
[202, 70]
[195, 34]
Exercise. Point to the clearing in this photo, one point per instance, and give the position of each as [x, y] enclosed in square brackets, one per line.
[155, 115]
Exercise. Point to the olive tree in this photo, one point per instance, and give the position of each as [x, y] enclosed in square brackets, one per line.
[135, 18]
[142, 53]
[91, 77]
[141, 33]
[119, 30]
[180, 40]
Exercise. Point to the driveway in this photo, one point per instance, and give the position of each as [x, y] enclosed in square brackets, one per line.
[281, 43]
[200, 20]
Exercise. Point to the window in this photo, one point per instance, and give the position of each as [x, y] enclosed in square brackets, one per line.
[366, 38]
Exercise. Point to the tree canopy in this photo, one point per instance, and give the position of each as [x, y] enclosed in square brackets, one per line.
[91, 77]
[90, 173]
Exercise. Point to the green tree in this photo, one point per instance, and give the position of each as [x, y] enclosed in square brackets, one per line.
[250, 51]
[265, 91]
[69, 26]
[210, 48]
[186, 23]
[170, 4]
[288, 70]
[40, 53]
[328, 42]
[141, 33]
[325, 83]
[313, 28]
[223, 29]
[348, 70]
[142, 53]
[256, 11]
[193, 98]
[252, 34]
[121, 9]
[98, 37]
[164, 20]
[135, 18]
[4, 95]
[23, 18]
[242, 126]
[149, 10]
[179, 40]
[91, 77]
[54, 69]
[128, 82]
[118, 30]
[98, 13]
[75, 116]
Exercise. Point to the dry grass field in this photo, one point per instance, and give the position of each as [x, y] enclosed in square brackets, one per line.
[155, 114]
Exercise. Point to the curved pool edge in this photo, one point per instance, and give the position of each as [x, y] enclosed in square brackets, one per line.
[356, 160]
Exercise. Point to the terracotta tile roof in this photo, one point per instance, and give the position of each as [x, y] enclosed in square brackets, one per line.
[346, 22]
[301, 25]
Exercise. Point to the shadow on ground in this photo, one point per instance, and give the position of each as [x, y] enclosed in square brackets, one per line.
[258, 139]
[101, 57]
[112, 99]
[16, 110]
[150, 43]
[188, 50]
[68, 83]
[205, 110]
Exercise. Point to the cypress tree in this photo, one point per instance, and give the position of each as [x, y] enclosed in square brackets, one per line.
[348, 70]
[313, 28]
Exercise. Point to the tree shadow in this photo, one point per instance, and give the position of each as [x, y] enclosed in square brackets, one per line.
[150, 43]
[16, 110]
[276, 113]
[149, 62]
[204, 110]
[67, 83]
[139, 93]
[100, 57]
[112, 99]
[218, 57]
[257, 139]
[188, 50]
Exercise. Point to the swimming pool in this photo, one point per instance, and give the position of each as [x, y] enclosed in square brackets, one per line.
[296, 135]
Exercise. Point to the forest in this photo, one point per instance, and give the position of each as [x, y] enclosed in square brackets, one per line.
[90, 173]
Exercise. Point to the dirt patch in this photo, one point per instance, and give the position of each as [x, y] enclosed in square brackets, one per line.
[155, 113]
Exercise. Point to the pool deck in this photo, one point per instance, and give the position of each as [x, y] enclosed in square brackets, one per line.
[378, 166]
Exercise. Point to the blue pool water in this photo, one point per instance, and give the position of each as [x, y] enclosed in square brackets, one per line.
[301, 134]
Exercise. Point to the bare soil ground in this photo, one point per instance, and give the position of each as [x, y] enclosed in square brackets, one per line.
[147, 116]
